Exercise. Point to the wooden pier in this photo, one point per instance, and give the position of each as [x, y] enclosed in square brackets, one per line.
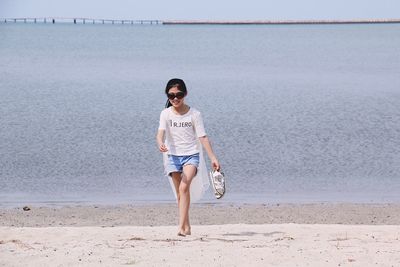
[54, 20]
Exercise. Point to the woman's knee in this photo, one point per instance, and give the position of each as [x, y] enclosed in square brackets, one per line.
[183, 188]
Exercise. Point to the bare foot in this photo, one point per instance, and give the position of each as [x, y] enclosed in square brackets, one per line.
[181, 234]
[188, 231]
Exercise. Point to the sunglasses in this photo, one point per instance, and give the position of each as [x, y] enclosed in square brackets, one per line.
[178, 95]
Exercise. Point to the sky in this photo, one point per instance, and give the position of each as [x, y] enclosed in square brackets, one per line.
[203, 9]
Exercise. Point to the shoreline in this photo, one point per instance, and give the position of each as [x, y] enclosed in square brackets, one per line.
[8, 201]
[201, 214]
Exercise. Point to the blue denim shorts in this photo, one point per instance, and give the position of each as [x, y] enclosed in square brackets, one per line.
[176, 163]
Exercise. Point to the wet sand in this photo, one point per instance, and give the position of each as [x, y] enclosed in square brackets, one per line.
[202, 214]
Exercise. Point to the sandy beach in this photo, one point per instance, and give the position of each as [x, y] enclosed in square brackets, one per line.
[222, 235]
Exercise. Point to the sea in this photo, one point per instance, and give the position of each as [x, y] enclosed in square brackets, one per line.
[295, 113]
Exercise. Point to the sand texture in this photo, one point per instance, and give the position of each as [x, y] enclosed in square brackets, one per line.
[210, 245]
[202, 214]
[222, 235]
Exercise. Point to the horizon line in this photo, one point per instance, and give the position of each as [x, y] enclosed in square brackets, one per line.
[310, 21]
[202, 21]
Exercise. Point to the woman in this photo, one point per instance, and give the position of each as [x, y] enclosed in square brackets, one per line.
[182, 127]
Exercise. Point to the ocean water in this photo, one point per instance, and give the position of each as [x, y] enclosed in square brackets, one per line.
[297, 113]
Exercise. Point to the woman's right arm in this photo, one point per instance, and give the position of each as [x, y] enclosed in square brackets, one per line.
[160, 140]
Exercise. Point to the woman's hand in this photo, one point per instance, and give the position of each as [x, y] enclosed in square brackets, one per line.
[207, 146]
[163, 148]
[215, 164]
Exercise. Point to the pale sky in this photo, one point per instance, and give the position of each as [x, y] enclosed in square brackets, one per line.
[203, 9]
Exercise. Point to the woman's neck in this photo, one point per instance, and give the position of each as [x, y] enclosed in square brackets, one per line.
[182, 109]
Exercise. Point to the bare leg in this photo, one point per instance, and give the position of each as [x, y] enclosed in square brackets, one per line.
[176, 179]
[189, 171]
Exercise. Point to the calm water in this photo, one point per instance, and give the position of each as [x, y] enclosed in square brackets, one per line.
[295, 113]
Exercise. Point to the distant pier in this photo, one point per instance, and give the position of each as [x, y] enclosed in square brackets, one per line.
[54, 20]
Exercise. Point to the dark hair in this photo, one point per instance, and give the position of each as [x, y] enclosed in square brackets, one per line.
[178, 83]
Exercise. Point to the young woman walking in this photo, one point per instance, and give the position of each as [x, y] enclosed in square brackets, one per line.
[180, 129]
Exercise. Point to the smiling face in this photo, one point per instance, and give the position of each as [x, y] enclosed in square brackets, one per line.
[176, 97]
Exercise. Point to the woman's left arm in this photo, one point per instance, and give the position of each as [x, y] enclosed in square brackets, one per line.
[207, 146]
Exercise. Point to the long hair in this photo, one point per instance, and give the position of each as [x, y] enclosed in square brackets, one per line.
[178, 83]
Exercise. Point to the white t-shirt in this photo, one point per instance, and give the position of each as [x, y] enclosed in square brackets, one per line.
[182, 131]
